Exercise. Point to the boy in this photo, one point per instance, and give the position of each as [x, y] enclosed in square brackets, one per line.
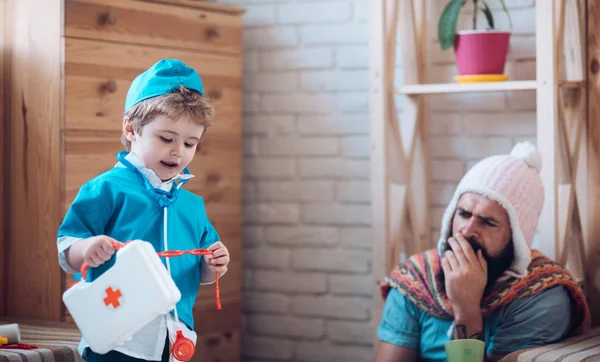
[165, 118]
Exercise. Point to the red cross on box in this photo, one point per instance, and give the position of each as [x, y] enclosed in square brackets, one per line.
[112, 297]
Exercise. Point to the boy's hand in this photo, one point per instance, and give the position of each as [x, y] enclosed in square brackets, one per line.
[219, 259]
[98, 250]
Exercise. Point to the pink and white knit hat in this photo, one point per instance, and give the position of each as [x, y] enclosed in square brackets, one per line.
[514, 182]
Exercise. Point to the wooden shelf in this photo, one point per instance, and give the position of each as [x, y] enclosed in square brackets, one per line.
[479, 87]
[468, 87]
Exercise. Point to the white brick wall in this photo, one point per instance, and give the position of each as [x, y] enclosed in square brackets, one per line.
[307, 236]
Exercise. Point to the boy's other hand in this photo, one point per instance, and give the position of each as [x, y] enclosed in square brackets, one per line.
[99, 249]
[219, 259]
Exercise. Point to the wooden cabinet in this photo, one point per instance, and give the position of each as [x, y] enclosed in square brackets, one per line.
[154, 24]
[68, 69]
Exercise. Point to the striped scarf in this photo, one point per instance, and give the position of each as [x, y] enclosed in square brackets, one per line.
[418, 279]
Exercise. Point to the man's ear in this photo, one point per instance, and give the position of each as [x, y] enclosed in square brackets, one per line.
[128, 131]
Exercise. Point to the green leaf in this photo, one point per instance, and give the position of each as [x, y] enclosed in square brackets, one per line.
[447, 24]
[488, 15]
[506, 11]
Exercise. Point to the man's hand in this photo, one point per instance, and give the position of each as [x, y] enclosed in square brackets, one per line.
[219, 259]
[466, 276]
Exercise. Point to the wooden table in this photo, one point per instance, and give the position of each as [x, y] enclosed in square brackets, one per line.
[56, 342]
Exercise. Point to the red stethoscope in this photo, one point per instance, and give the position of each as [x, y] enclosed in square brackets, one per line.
[183, 348]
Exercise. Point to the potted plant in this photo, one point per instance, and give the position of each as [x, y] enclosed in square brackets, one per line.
[480, 53]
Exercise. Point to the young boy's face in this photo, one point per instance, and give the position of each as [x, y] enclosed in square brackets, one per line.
[166, 146]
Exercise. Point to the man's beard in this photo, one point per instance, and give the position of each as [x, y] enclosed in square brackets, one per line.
[496, 265]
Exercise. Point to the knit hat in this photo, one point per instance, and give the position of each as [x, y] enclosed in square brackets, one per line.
[162, 78]
[514, 182]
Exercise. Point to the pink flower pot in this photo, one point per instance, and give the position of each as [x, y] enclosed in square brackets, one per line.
[481, 52]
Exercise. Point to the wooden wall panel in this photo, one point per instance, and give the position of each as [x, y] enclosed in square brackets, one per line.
[34, 75]
[3, 51]
[593, 161]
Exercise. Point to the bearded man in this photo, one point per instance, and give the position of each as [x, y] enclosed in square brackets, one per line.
[483, 281]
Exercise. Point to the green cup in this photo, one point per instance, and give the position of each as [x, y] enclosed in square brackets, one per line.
[465, 350]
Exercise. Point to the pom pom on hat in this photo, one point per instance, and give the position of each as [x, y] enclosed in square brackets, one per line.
[527, 152]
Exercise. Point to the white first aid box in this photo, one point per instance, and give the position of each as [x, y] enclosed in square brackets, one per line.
[120, 302]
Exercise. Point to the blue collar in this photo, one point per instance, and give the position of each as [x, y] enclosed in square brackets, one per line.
[163, 198]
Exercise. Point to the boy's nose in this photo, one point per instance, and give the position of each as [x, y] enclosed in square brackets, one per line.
[176, 150]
